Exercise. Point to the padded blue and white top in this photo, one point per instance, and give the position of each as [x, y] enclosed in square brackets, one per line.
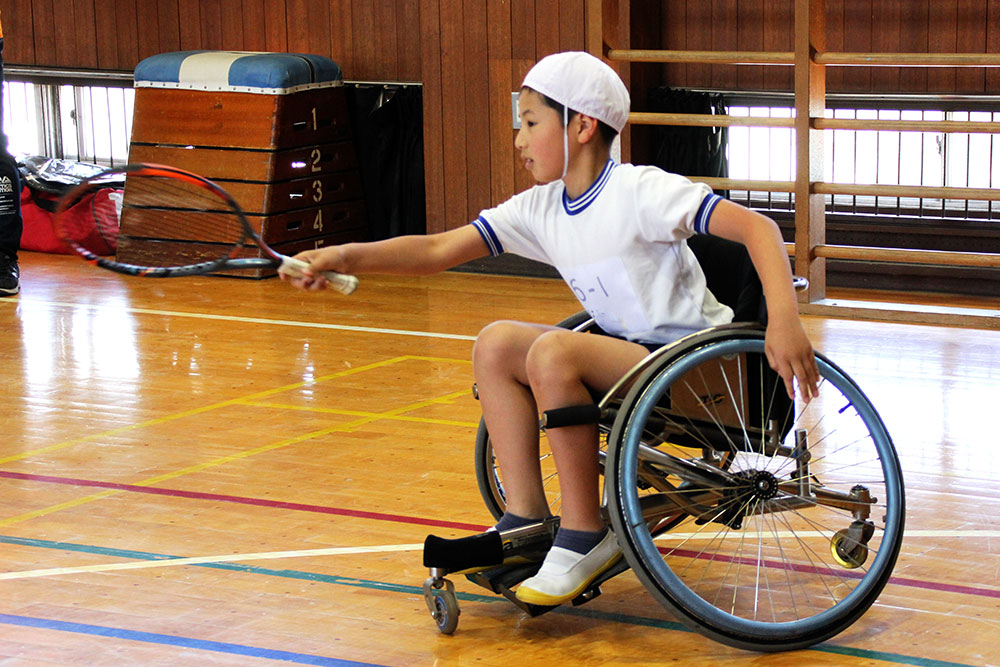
[238, 71]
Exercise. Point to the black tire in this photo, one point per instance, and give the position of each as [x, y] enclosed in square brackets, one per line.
[750, 563]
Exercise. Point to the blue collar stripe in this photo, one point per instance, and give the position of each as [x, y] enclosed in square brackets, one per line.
[579, 204]
[708, 205]
[489, 236]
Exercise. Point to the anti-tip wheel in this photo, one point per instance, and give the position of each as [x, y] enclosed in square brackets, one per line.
[847, 551]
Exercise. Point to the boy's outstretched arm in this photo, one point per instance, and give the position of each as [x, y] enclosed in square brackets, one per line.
[788, 349]
[402, 255]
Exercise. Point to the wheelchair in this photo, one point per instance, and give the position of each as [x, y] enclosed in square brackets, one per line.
[762, 522]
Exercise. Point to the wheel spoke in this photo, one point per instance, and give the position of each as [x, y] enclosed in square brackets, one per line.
[778, 494]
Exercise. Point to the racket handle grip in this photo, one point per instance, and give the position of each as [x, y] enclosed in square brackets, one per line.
[342, 282]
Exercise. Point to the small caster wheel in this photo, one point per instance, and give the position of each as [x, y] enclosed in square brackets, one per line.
[847, 550]
[445, 611]
[439, 594]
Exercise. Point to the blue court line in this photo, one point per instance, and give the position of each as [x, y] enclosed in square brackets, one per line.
[173, 640]
[896, 658]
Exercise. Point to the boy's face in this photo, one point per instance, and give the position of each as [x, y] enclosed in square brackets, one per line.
[540, 139]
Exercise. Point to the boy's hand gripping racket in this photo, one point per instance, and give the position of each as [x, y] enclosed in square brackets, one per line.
[164, 202]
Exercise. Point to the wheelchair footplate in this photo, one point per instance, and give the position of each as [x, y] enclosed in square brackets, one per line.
[502, 580]
[497, 562]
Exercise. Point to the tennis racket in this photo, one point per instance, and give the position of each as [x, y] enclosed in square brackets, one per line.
[207, 230]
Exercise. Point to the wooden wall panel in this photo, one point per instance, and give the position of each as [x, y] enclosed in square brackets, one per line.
[970, 35]
[993, 43]
[750, 37]
[454, 116]
[914, 25]
[433, 99]
[887, 39]
[522, 57]
[858, 38]
[502, 154]
[127, 29]
[190, 25]
[85, 25]
[946, 26]
[834, 41]
[105, 46]
[231, 24]
[478, 119]
[778, 15]
[254, 25]
[471, 54]
[276, 25]
[572, 25]
[675, 18]
[943, 38]
[698, 14]
[725, 37]
[44, 30]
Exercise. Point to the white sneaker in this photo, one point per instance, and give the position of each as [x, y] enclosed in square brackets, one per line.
[566, 574]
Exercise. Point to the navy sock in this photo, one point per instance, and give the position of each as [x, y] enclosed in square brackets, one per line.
[511, 521]
[580, 541]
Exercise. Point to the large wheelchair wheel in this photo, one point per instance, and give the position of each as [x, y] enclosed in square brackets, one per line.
[792, 513]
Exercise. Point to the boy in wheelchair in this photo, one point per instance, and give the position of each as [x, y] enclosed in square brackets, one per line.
[617, 234]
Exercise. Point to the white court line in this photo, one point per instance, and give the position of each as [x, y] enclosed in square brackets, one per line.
[200, 560]
[244, 320]
[752, 535]
[386, 548]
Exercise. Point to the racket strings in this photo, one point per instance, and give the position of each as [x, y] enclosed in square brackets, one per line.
[157, 207]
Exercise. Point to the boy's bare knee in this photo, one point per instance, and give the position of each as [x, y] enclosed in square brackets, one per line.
[552, 360]
[494, 344]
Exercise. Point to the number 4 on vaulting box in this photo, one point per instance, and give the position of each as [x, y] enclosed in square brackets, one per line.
[270, 128]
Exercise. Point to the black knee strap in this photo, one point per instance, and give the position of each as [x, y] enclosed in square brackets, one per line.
[573, 415]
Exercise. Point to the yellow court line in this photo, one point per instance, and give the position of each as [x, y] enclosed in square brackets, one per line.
[207, 408]
[345, 428]
[201, 560]
[357, 413]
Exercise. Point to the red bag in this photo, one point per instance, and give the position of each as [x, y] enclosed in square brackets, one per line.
[38, 207]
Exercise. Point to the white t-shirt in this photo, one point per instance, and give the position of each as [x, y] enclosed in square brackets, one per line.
[620, 247]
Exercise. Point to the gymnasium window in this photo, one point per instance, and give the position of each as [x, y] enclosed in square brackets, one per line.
[89, 121]
[873, 157]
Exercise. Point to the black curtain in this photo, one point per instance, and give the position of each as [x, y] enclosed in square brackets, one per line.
[388, 129]
[689, 151]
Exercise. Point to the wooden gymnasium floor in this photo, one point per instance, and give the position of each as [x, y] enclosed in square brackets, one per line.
[218, 471]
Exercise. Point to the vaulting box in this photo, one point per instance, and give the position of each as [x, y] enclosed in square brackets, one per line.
[271, 128]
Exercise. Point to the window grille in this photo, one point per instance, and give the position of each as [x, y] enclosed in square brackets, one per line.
[873, 157]
[78, 120]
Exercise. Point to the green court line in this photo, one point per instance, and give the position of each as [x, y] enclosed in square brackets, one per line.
[868, 654]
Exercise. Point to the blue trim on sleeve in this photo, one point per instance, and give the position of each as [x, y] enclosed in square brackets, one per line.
[704, 214]
[489, 236]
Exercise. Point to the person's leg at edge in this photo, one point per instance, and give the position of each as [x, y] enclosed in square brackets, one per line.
[511, 416]
[562, 367]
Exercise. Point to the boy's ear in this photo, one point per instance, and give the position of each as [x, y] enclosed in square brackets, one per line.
[588, 128]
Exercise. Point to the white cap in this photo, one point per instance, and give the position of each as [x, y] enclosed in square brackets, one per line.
[583, 83]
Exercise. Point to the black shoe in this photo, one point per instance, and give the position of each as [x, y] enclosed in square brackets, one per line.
[10, 283]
